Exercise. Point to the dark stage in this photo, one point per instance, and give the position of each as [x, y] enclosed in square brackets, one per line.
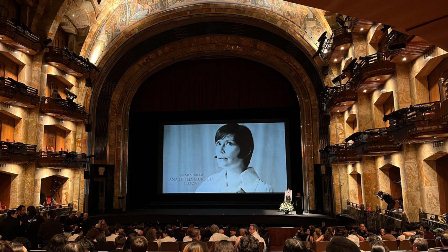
[237, 217]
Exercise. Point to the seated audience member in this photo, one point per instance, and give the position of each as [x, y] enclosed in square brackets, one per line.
[341, 244]
[151, 234]
[74, 247]
[248, 243]
[379, 248]
[119, 243]
[117, 231]
[294, 245]
[232, 236]
[5, 246]
[86, 244]
[56, 243]
[363, 230]
[420, 244]
[329, 233]
[139, 244]
[187, 237]
[193, 247]
[196, 235]
[18, 247]
[253, 230]
[216, 235]
[353, 236]
[224, 246]
[9, 227]
[386, 235]
[49, 228]
[167, 236]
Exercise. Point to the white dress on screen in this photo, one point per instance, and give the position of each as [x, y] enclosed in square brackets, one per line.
[248, 182]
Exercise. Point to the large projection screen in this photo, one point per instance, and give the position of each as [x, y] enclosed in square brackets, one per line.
[189, 157]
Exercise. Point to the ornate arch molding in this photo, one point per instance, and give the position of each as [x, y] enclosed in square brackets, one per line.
[211, 45]
[129, 63]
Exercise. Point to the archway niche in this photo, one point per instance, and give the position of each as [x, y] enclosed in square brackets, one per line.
[51, 189]
[5, 190]
[393, 174]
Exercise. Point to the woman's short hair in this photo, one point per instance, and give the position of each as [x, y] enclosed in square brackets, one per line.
[294, 245]
[193, 247]
[224, 246]
[242, 137]
[56, 243]
[139, 244]
[341, 244]
[74, 247]
[248, 243]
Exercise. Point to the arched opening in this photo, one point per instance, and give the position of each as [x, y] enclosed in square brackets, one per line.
[357, 181]
[5, 190]
[210, 91]
[51, 190]
[393, 173]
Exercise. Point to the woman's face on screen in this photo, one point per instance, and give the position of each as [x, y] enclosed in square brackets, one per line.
[227, 151]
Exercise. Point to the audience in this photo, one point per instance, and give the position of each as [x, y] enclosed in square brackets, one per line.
[193, 247]
[294, 245]
[224, 246]
[341, 244]
[248, 243]
[216, 235]
[139, 244]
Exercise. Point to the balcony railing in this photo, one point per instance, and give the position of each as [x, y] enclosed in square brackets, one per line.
[374, 142]
[340, 154]
[373, 71]
[63, 109]
[341, 36]
[340, 98]
[16, 152]
[62, 159]
[18, 94]
[68, 61]
[419, 123]
[19, 36]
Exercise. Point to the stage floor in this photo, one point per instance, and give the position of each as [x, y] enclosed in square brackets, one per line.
[202, 216]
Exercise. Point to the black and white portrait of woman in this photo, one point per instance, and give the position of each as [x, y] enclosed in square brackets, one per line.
[224, 158]
[234, 146]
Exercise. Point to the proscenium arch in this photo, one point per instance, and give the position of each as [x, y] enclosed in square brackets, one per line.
[158, 46]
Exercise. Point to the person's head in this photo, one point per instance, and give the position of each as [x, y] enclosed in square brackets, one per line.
[234, 143]
[5, 246]
[120, 240]
[12, 213]
[74, 247]
[214, 228]
[224, 246]
[243, 232]
[317, 232]
[253, 228]
[294, 245]
[379, 248]
[31, 210]
[362, 227]
[18, 247]
[139, 244]
[193, 247]
[232, 231]
[196, 234]
[341, 244]
[56, 243]
[21, 210]
[444, 239]
[248, 243]
[420, 244]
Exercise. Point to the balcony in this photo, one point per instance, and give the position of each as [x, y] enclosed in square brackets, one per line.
[63, 109]
[374, 142]
[401, 47]
[340, 154]
[68, 61]
[373, 71]
[62, 159]
[17, 153]
[19, 37]
[18, 94]
[420, 123]
[340, 98]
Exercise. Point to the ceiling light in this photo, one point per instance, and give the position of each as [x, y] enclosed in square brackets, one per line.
[335, 60]
[377, 79]
[362, 29]
[27, 51]
[342, 48]
[404, 59]
[364, 91]
[338, 110]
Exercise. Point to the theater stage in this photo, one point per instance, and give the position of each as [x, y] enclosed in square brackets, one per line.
[202, 216]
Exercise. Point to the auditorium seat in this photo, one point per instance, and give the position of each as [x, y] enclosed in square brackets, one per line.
[365, 246]
[431, 243]
[321, 246]
[153, 246]
[392, 245]
[405, 245]
[169, 246]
